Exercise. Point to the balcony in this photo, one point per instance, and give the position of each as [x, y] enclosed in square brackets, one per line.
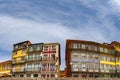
[118, 70]
[85, 60]
[32, 69]
[33, 59]
[18, 70]
[48, 69]
[53, 60]
[18, 61]
[112, 71]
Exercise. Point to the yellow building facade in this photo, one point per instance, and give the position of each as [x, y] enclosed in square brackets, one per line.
[18, 58]
[5, 69]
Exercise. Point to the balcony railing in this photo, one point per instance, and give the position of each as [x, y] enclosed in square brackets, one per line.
[118, 70]
[32, 69]
[85, 60]
[48, 69]
[18, 70]
[108, 71]
[18, 61]
[48, 59]
[33, 58]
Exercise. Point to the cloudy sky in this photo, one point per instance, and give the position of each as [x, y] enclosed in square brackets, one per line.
[57, 20]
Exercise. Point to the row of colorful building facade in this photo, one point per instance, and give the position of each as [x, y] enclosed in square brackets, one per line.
[83, 59]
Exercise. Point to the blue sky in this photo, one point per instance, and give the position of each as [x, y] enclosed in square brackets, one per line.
[57, 20]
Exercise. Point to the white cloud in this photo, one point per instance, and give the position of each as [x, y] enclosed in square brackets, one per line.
[115, 2]
[98, 28]
[14, 30]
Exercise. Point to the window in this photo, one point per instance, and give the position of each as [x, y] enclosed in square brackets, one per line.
[74, 45]
[14, 60]
[8, 66]
[21, 75]
[28, 75]
[101, 57]
[47, 75]
[36, 66]
[16, 47]
[22, 58]
[96, 66]
[44, 66]
[22, 68]
[43, 75]
[52, 75]
[15, 52]
[117, 59]
[83, 56]
[35, 75]
[45, 56]
[75, 67]
[29, 67]
[96, 57]
[75, 56]
[101, 49]
[45, 48]
[92, 47]
[30, 48]
[20, 46]
[107, 68]
[112, 59]
[83, 46]
[90, 56]
[96, 48]
[87, 47]
[83, 67]
[78, 45]
[102, 66]
[52, 67]
[24, 51]
[90, 67]
[37, 47]
[106, 58]
[106, 50]
[75, 75]
[37, 56]
[53, 56]
[54, 47]
[30, 57]
[3, 67]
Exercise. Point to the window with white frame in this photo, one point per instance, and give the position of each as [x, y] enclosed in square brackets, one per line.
[16, 47]
[45, 48]
[83, 46]
[102, 66]
[24, 51]
[36, 66]
[30, 48]
[30, 57]
[29, 67]
[101, 49]
[74, 45]
[105, 50]
[37, 56]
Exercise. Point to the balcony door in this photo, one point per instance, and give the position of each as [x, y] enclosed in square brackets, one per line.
[36, 67]
[29, 67]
